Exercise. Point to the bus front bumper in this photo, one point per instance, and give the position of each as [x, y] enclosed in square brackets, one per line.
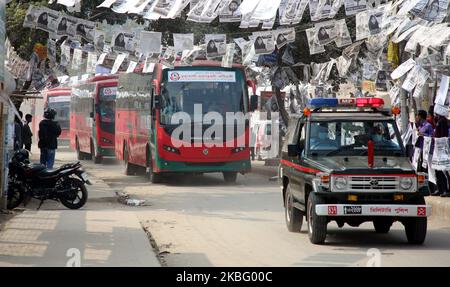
[204, 167]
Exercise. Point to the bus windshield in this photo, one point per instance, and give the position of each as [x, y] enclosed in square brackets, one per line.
[343, 138]
[215, 90]
[62, 107]
[107, 108]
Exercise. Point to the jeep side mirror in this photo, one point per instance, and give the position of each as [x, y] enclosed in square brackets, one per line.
[293, 150]
[409, 149]
[253, 103]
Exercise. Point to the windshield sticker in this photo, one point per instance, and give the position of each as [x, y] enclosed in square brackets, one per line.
[202, 76]
[59, 99]
[110, 91]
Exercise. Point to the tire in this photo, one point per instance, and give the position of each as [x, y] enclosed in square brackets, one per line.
[416, 227]
[16, 195]
[317, 225]
[152, 176]
[80, 155]
[129, 168]
[71, 200]
[293, 216]
[230, 177]
[382, 225]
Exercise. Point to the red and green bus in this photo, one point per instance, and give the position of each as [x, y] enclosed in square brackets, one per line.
[92, 118]
[57, 99]
[145, 132]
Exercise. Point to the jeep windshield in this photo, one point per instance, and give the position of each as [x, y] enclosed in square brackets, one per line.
[348, 138]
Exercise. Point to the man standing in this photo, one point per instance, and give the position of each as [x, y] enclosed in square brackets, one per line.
[441, 131]
[18, 127]
[27, 135]
[49, 131]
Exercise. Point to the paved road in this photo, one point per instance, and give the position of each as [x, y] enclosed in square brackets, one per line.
[200, 221]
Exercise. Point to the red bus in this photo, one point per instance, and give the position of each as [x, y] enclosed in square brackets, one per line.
[59, 100]
[92, 118]
[144, 130]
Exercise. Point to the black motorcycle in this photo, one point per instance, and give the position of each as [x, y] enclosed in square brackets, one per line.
[66, 184]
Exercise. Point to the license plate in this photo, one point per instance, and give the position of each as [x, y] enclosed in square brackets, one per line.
[84, 176]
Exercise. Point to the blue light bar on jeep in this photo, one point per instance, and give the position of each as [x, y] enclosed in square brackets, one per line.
[323, 103]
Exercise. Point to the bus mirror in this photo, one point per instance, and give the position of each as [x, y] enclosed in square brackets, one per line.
[253, 103]
[292, 150]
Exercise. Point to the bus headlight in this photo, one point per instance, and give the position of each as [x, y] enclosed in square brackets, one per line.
[171, 149]
[238, 149]
[406, 183]
[340, 183]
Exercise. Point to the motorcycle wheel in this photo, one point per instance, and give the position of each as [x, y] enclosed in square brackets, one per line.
[74, 199]
[16, 195]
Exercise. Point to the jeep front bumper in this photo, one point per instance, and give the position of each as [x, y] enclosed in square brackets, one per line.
[373, 210]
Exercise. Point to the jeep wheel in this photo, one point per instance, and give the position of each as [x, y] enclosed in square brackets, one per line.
[317, 225]
[293, 216]
[416, 227]
[382, 225]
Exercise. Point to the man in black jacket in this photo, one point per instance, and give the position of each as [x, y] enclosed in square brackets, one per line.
[18, 127]
[27, 135]
[49, 131]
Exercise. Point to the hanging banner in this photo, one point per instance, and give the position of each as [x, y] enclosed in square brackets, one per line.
[266, 9]
[215, 45]
[411, 80]
[150, 42]
[101, 59]
[314, 46]
[353, 7]
[41, 18]
[227, 60]
[343, 37]
[368, 23]
[51, 50]
[441, 154]
[91, 63]
[124, 41]
[441, 110]
[263, 43]
[325, 32]
[230, 13]
[426, 151]
[85, 30]
[416, 158]
[123, 6]
[403, 69]
[293, 12]
[119, 60]
[431, 10]
[183, 42]
[131, 67]
[106, 4]
[65, 55]
[143, 7]
[77, 60]
[67, 26]
[99, 43]
[284, 36]
[442, 93]
[169, 57]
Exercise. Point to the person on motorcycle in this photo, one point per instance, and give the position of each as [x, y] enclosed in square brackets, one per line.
[49, 131]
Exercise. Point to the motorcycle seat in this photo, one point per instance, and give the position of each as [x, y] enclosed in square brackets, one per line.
[37, 167]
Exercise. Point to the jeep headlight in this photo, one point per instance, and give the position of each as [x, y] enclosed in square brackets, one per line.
[406, 183]
[340, 183]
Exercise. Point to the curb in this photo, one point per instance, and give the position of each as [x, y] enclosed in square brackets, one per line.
[440, 206]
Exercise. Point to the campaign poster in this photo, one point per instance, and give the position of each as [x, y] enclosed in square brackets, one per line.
[353, 7]
[216, 45]
[264, 43]
[230, 12]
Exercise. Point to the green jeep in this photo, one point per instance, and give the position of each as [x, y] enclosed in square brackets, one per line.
[350, 166]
